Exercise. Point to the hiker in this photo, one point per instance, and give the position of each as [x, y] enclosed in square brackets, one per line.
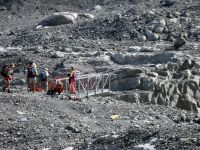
[58, 89]
[31, 76]
[44, 76]
[7, 73]
[72, 78]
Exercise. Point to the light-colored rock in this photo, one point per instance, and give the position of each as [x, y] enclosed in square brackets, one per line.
[97, 7]
[142, 38]
[148, 49]
[173, 20]
[14, 49]
[158, 29]
[152, 74]
[151, 36]
[134, 49]
[2, 49]
[195, 30]
[59, 19]
[59, 54]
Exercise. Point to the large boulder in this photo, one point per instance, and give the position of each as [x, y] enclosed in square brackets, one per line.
[179, 42]
[188, 103]
[60, 18]
[157, 25]
[126, 84]
[167, 3]
[143, 58]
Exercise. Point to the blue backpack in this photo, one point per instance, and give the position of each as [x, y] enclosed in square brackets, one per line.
[43, 76]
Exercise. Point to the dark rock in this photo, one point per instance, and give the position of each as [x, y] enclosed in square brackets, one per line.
[179, 42]
[167, 3]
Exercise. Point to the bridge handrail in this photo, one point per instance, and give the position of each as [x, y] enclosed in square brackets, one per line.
[84, 76]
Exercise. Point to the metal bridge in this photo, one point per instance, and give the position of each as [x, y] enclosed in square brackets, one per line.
[87, 84]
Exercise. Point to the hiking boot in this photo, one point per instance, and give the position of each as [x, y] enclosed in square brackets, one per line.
[9, 91]
[4, 89]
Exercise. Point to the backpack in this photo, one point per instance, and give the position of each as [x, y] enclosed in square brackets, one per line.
[4, 71]
[43, 76]
[31, 73]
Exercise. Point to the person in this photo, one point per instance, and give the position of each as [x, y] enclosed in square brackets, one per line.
[31, 76]
[58, 89]
[44, 76]
[8, 77]
[72, 78]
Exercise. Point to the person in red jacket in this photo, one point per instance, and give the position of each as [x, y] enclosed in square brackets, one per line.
[59, 88]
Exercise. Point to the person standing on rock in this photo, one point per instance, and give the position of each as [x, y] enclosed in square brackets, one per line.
[8, 77]
[44, 77]
[31, 76]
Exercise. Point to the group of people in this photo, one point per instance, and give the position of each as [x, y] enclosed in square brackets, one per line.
[35, 79]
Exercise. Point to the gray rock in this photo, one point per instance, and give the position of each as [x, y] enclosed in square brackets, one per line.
[151, 36]
[86, 15]
[174, 100]
[128, 72]
[158, 29]
[147, 84]
[142, 38]
[188, 103]
[187, 64]
[2, 50]
[128, 97]
[179, 42]
[58, 54]
[59, 19]
[134, 49]
[136, 59]
[147, 49]
[167, 3]
[145, 97]
[125, 84]
[152, 74]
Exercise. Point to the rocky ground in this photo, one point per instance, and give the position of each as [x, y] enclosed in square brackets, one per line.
[152, 49]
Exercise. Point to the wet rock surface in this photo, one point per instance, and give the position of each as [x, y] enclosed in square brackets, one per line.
[150, 47]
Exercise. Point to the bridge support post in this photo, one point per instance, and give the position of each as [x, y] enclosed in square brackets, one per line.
[79, 86]
[87, 86]
[65, 86]
[95, 86]
[109, 82]
[102, 80]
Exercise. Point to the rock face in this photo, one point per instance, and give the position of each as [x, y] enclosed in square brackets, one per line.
[60, 18]
[142, 58]
[162, 86]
